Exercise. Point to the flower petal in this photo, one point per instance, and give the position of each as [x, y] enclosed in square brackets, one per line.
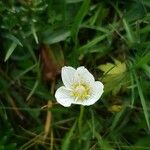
[95, 95]
[67, 74]
[82, 74]
[63, 97]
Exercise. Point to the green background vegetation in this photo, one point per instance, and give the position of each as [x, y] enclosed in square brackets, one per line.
[38, 37]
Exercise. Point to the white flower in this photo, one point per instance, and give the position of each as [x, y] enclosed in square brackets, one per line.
[79, 87]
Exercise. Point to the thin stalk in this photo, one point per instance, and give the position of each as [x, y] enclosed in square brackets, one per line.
[48, 122]
[80, 118]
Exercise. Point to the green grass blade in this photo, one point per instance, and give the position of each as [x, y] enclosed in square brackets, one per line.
[146, 68]
[146, 3]
[33, 30]
[13, 38]
[132, 89]
[143, 101]
[73, 1]
[117, 119]
[33, 89]
[66, 142]
[103, 144]
[92, 43]
[143, 60]
[97, 28]
[25, 71]
[79, 17]
[56, 37]
[10, 51]
[128, 31]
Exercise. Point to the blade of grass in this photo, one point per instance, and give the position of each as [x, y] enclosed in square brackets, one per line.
[143, 60]
[146, 68]
[95, 16]
[28, 46]
[31, 142]
[132, 89]
[13, 38]
[97, 28]
[78, 19]
[146, 3]
[33, 30]
[33, 89]
[117, 119]
[92, 43]
[21, 104]
[24, 72]
[128, 30]
[73, 1]
[67, 139]
[36, 84]
[10, 50]
[103, 144]
[57, 37]
[143, 101]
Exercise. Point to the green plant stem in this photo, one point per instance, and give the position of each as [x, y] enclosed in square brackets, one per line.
[80, 118]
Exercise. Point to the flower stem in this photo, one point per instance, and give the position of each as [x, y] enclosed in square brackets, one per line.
[80, 118]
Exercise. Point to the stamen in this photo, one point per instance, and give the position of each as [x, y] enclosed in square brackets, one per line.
[81, 91]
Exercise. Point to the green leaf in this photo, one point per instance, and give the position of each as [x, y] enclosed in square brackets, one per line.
[112, 69]
[114, 76]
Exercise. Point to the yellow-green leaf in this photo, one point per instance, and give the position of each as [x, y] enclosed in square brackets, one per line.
[112, 69]
[113, 75]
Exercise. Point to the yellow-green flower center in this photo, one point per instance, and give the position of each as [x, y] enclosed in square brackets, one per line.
[81, 91]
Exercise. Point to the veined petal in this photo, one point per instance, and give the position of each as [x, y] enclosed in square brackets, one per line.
[95, 95]
[82, 74]
[67, 74]
[63, 97]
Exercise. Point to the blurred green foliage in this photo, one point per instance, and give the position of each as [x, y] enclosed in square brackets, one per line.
[89, 33]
